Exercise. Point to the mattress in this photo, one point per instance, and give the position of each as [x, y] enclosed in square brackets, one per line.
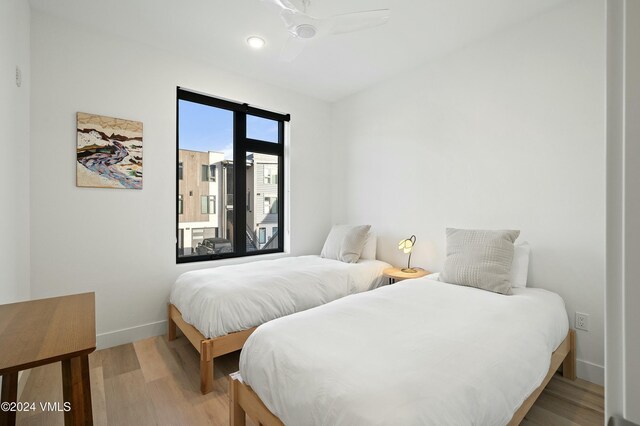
[420, 352]
[222, 300]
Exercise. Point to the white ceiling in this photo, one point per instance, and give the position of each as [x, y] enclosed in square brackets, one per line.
[215, 31]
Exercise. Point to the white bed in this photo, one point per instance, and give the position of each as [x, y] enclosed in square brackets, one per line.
[420, 352]
[227, 299]
[217, 309]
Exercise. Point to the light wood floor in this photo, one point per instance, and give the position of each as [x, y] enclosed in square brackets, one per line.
[155, 382]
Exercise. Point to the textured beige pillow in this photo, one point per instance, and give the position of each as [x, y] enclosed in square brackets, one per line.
[480, 259]
[345, 242]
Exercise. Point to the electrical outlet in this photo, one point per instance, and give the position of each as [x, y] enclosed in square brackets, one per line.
[582, 321]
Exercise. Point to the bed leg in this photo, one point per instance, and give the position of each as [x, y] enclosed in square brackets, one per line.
[206, 376]
[206, 367]
[171, 326]
[569, 363]
[237, 416]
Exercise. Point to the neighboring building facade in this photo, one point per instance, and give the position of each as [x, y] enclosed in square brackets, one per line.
[262, 199]
[198, 198]
[205, 201]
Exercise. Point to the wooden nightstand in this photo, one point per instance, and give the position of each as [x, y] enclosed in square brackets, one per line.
[395, 274]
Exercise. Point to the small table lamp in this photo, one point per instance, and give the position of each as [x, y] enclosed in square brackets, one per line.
[407, 246]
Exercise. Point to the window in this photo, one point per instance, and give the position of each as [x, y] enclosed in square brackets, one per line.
[208, 172]
[212, 172]
[208, 204]
[270, 204]
[270, 174]
[215, 136]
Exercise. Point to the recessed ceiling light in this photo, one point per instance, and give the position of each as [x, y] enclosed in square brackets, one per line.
[255, 42]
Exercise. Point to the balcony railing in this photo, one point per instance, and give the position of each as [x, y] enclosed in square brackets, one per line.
[272, 243]
[252, 240]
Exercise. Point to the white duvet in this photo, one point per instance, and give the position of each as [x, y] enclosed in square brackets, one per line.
[222, 300]
[420, 352]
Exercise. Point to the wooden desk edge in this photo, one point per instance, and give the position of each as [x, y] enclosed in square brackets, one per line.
[52, 297]
[47, 361]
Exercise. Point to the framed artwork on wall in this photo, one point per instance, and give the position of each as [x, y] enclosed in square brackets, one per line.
[109, 152]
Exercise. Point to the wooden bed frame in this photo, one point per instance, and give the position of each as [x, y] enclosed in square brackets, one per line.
[208, 348]
[243, 401]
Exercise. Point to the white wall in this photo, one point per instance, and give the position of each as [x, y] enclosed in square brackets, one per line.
[507, 133]
[14, 142]
[632, 214]
[120, 243]
[623, 210]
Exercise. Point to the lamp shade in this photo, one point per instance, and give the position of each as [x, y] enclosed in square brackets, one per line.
[407, 246]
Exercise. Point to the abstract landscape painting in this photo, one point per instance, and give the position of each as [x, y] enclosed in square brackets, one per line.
[109, 152]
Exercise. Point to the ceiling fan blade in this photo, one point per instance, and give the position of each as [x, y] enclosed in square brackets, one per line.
[284, 5]
[292, 48]
[351, 22]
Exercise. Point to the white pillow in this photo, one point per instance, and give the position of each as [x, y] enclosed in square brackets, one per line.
[480, 258]
[370, 246]
[520, 265]
[345, 242]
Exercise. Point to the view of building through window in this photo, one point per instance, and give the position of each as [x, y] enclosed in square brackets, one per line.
[262, 212]
[206, 183]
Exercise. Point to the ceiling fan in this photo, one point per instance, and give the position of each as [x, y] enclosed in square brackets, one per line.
[303, 27]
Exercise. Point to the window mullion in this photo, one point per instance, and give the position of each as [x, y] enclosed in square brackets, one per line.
[240, 185]
[281, 180]
[270, 148]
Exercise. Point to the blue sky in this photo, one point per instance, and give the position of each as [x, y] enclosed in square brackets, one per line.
[204, 128]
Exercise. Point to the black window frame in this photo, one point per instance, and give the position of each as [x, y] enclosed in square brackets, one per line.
[241, 146]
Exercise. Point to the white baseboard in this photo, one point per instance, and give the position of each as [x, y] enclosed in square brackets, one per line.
[131, 334]
[590, 372]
